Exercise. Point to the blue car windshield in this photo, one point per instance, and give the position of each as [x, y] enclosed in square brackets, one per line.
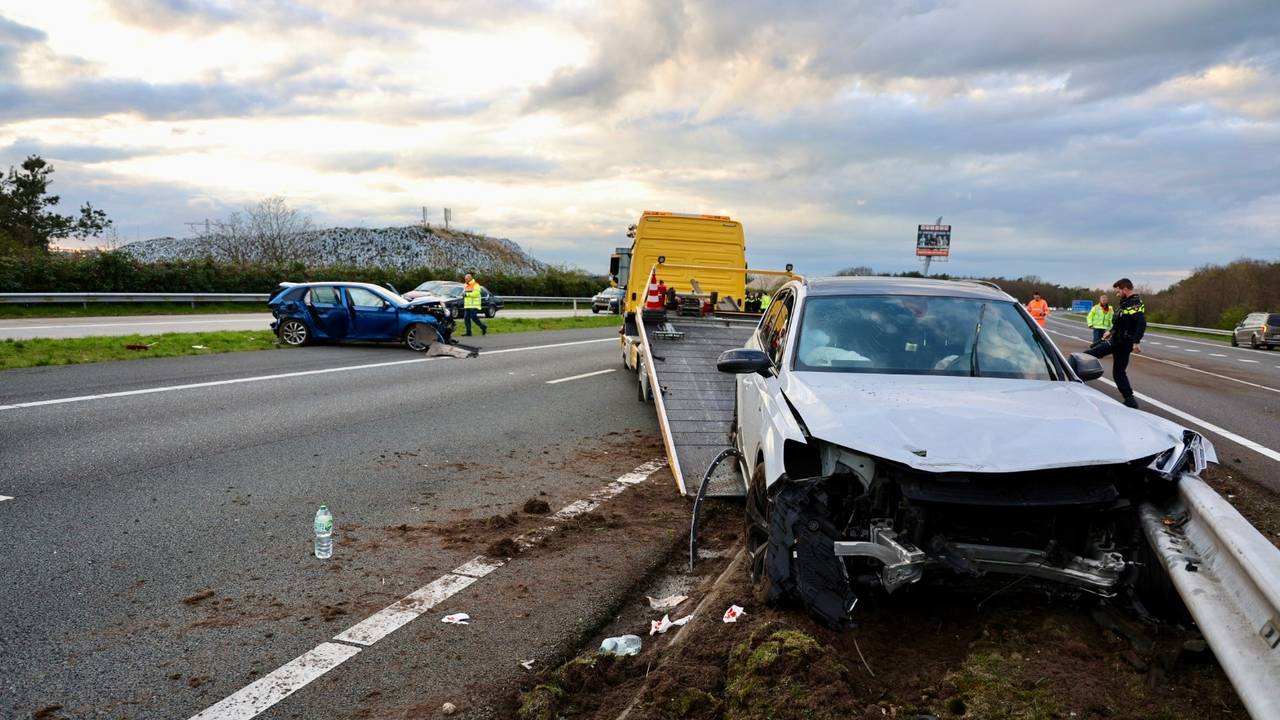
[920, 335]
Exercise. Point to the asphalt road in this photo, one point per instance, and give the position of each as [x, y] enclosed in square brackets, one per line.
[24, 328]
[123, 506]
[1236, 390]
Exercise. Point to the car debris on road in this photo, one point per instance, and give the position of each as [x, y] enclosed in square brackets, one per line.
[457, 619]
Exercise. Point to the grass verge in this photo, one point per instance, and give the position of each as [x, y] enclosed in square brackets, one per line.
[39, 352]
[1221, 339]
[43, 310]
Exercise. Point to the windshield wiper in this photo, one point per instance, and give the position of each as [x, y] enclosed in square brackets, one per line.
[973, 352]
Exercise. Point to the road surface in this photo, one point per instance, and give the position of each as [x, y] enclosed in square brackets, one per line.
[24, 328]
[157, 542]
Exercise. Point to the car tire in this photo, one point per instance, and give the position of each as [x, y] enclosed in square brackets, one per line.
[294, 333]
[1253, 342]
[595, 310]
[1234, 342]
[758, 519]
[419, 337]
[490, 311]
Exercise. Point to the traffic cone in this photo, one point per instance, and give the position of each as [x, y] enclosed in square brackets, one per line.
[652, 300]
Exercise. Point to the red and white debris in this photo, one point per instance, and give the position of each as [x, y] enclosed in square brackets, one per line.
[733, 613]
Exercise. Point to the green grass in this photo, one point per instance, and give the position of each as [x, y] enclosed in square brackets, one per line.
[64, 310]
[40, 352]
[1223, 339]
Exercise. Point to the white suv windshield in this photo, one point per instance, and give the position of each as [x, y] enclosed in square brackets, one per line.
[920, 335]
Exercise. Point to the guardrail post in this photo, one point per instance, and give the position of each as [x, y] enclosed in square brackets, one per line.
[575, 307]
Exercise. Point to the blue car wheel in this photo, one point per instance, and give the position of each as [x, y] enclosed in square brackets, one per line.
[419, 336]
[294, 333]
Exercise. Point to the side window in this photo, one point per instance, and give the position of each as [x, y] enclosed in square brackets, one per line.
[324, 295]
[362, 298]
[781, 329]
[768, 324]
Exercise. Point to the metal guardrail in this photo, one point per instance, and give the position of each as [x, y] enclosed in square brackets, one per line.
[1228, 574]
[193, 298]
[1184, 328]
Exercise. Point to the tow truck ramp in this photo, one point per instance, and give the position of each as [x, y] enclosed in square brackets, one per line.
[694, 400]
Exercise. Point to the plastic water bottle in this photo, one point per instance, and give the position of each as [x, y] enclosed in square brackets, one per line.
[324, 533]
[621, 645]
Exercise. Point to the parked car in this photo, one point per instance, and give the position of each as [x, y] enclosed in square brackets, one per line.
[354, 311]
[1260, 329]
[448, 294]
[896, 431]
[606, 300]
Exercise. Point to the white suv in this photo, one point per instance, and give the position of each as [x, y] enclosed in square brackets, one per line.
[890, 426]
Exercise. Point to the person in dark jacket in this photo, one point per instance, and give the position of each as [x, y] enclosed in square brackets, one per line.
[1128, 325]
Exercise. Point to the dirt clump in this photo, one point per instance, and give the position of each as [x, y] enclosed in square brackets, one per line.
[504, 548]
[536, 506]
[46, 712]
[197, 598]
[559, 691]
[784, 673]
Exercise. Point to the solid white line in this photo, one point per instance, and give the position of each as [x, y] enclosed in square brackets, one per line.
[1256, 447]
[280, 684]
[277, 376]
[579, 377]
[139, 324]
[262, 694]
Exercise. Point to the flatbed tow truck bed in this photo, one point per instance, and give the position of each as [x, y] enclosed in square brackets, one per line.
[694, 400]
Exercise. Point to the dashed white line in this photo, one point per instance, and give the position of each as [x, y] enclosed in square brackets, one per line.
[257, 697]
[277, 376]
[5, 497]
[1248, 361]
[579, 377]
[1256, 447]
[1189, 350]
[1216, 355]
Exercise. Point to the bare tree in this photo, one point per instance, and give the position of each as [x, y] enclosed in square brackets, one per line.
[859, 271]
[269, 232]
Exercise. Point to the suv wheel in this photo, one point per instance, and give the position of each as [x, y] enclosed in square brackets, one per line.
[294, 333]
[1234, 342]
[758, 519]
[490, 311]
[1253, 342]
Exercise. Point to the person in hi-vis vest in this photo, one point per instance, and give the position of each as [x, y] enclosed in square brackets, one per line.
[471, 305]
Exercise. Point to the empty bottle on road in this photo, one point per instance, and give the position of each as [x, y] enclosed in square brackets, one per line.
[323, 526]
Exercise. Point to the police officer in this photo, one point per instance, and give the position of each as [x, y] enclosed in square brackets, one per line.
[471, 305]
[1127, 328]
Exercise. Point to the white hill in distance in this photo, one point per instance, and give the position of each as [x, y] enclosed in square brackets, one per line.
[392, 247]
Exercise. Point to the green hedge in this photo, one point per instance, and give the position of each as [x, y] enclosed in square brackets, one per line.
[118, 272]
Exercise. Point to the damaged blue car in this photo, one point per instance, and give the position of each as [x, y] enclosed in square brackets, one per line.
[336, 311]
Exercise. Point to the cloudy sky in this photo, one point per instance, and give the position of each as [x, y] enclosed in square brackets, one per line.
[1077, 140]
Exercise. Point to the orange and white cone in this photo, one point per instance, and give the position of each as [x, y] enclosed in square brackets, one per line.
[652, 300]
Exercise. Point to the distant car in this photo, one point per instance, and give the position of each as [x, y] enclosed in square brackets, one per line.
[354, 311]
[448, 294]
[1260, 329]
[606, 300]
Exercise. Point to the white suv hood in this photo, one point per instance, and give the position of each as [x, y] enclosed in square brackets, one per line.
[974, 424]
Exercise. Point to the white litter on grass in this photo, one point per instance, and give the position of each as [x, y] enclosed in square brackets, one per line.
[658, 627]
[527, 664]
[733, 613]
[457, 619]
[199, 347]
[666, 603]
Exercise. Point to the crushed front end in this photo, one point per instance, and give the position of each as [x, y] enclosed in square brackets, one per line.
[855, 523]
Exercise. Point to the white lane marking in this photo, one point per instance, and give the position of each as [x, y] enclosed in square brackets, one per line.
[265, 320]
[1256, 447]
[255, 698]
[1152, 334]
[579, 377]
[1173, 347]
[1248, 361]
[280, 684]
[1156, 343]
[1184, 366]
[1217, 355]
[5, 497]
[277, 376]
[1189, 350]
[395, 616]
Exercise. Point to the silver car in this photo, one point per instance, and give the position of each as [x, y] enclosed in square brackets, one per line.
[1259, 330]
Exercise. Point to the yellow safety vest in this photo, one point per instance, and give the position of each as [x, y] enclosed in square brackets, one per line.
[765, 299]
[471, 296]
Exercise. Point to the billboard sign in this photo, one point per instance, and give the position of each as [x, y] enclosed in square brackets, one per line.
[933, 241]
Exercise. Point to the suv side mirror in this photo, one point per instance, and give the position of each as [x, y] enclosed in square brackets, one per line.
[744, 360]
[1087, 367]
